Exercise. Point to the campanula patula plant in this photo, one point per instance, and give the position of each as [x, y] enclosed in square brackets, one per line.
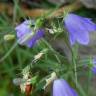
[45, 58]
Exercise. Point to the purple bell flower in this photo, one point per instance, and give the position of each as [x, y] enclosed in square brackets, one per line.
[62, 88]
[79, 28]
[25, 34]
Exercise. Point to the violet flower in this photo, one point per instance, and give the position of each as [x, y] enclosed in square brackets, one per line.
[62, 88]
[25, 34]
[79, 28]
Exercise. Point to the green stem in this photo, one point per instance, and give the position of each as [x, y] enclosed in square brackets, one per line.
[9, 52]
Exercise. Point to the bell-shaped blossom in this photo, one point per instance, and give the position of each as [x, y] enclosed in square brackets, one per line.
[25, 34]
[79, 28]
[62, 88]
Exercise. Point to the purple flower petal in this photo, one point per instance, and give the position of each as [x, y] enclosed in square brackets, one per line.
[24, 28]
[62, 88]
[90, 26]
[72, 39]
[79, 28]
[39, 34]
[82, 37]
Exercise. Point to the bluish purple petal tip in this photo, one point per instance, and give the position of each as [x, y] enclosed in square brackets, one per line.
[38, 35]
